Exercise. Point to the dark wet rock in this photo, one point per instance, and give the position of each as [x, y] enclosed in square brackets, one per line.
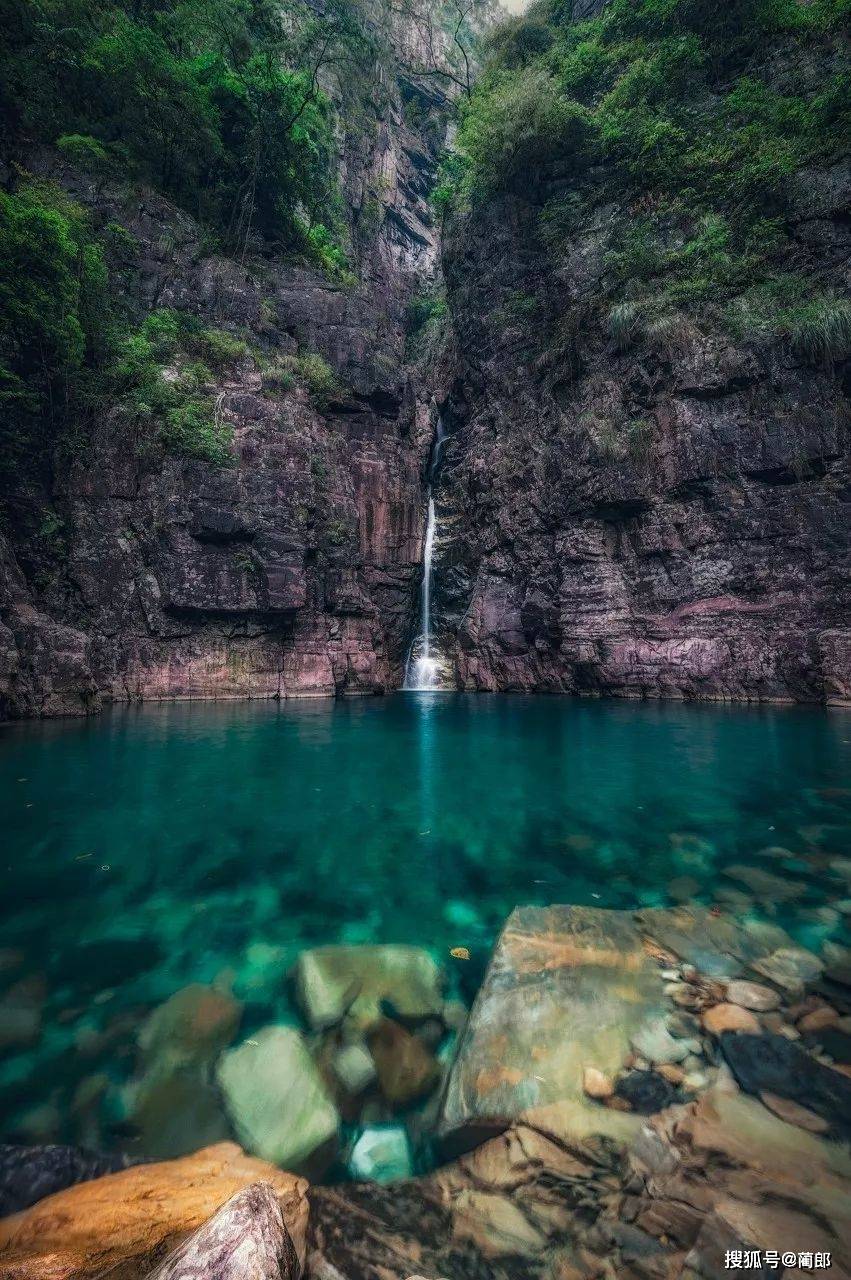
[21, 1009]
[28, 1174]
[832, 1041]
[646, 1091]
[246, 1237]
[773, 1064]
[683, 1025]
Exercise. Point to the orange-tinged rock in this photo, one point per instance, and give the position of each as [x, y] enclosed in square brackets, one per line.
[407, 1071]
[730, 1017]
[126, 1223]
[596, 1084]
[818, 1020]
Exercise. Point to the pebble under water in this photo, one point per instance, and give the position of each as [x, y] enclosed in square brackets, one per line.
[150, 848]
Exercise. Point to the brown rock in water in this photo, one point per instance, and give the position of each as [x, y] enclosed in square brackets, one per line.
[126, 1223]
[172, 1104]
[246, 1239]
[752, 995]
[818, 1020]
[672, 1072]
[407, 1071]
[596, 1084]
[21, 1010]
[794, 1113]
[567, 988]
[193, 1025]
[730, 1017]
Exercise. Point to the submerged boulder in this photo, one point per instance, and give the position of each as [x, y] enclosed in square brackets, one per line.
[407, 1070]
[720, 946]
[567, 988]
[277, 1101]
[173, 1104]
[126, 1223]
[192, 1026]
[355, 982]
[382, 1153]
[772, 1064]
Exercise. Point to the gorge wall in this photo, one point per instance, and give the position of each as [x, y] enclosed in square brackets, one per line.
[627, 517]
[138, 573]
[646, 488]
[670, 520]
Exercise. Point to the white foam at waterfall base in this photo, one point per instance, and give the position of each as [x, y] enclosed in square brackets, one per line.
[422, 672]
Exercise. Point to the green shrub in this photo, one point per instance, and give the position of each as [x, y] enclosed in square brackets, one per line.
[519, 39]
[83, 150]
[279, 376]
[53, 309]
[192, 429]
[520, 124]
[157, 375]
[320, 378]
[220, 349]
[700, 138]
[216, 102]
[311, 369]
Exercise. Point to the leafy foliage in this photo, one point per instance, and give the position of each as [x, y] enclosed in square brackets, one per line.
[214, 101]
[52, 282]
[684, 113]
[162, 373]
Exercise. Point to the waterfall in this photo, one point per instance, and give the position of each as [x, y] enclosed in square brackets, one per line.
[423, 672]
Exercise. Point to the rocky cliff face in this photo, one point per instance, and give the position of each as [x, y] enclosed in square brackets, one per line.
[662, 521]
[294, 570]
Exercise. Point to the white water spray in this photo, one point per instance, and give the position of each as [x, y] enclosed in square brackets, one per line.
[423, 672]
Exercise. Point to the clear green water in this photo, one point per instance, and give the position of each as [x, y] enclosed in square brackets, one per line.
[150, 848]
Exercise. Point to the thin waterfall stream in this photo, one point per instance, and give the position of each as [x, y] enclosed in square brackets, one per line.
[423, 671]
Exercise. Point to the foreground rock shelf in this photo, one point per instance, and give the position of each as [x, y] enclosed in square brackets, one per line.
[632, 1096]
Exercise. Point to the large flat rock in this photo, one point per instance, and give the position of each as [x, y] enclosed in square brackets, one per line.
[277, 1101]
[333, 983]
[566, 988]
[125, 1224]
[725, 946]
